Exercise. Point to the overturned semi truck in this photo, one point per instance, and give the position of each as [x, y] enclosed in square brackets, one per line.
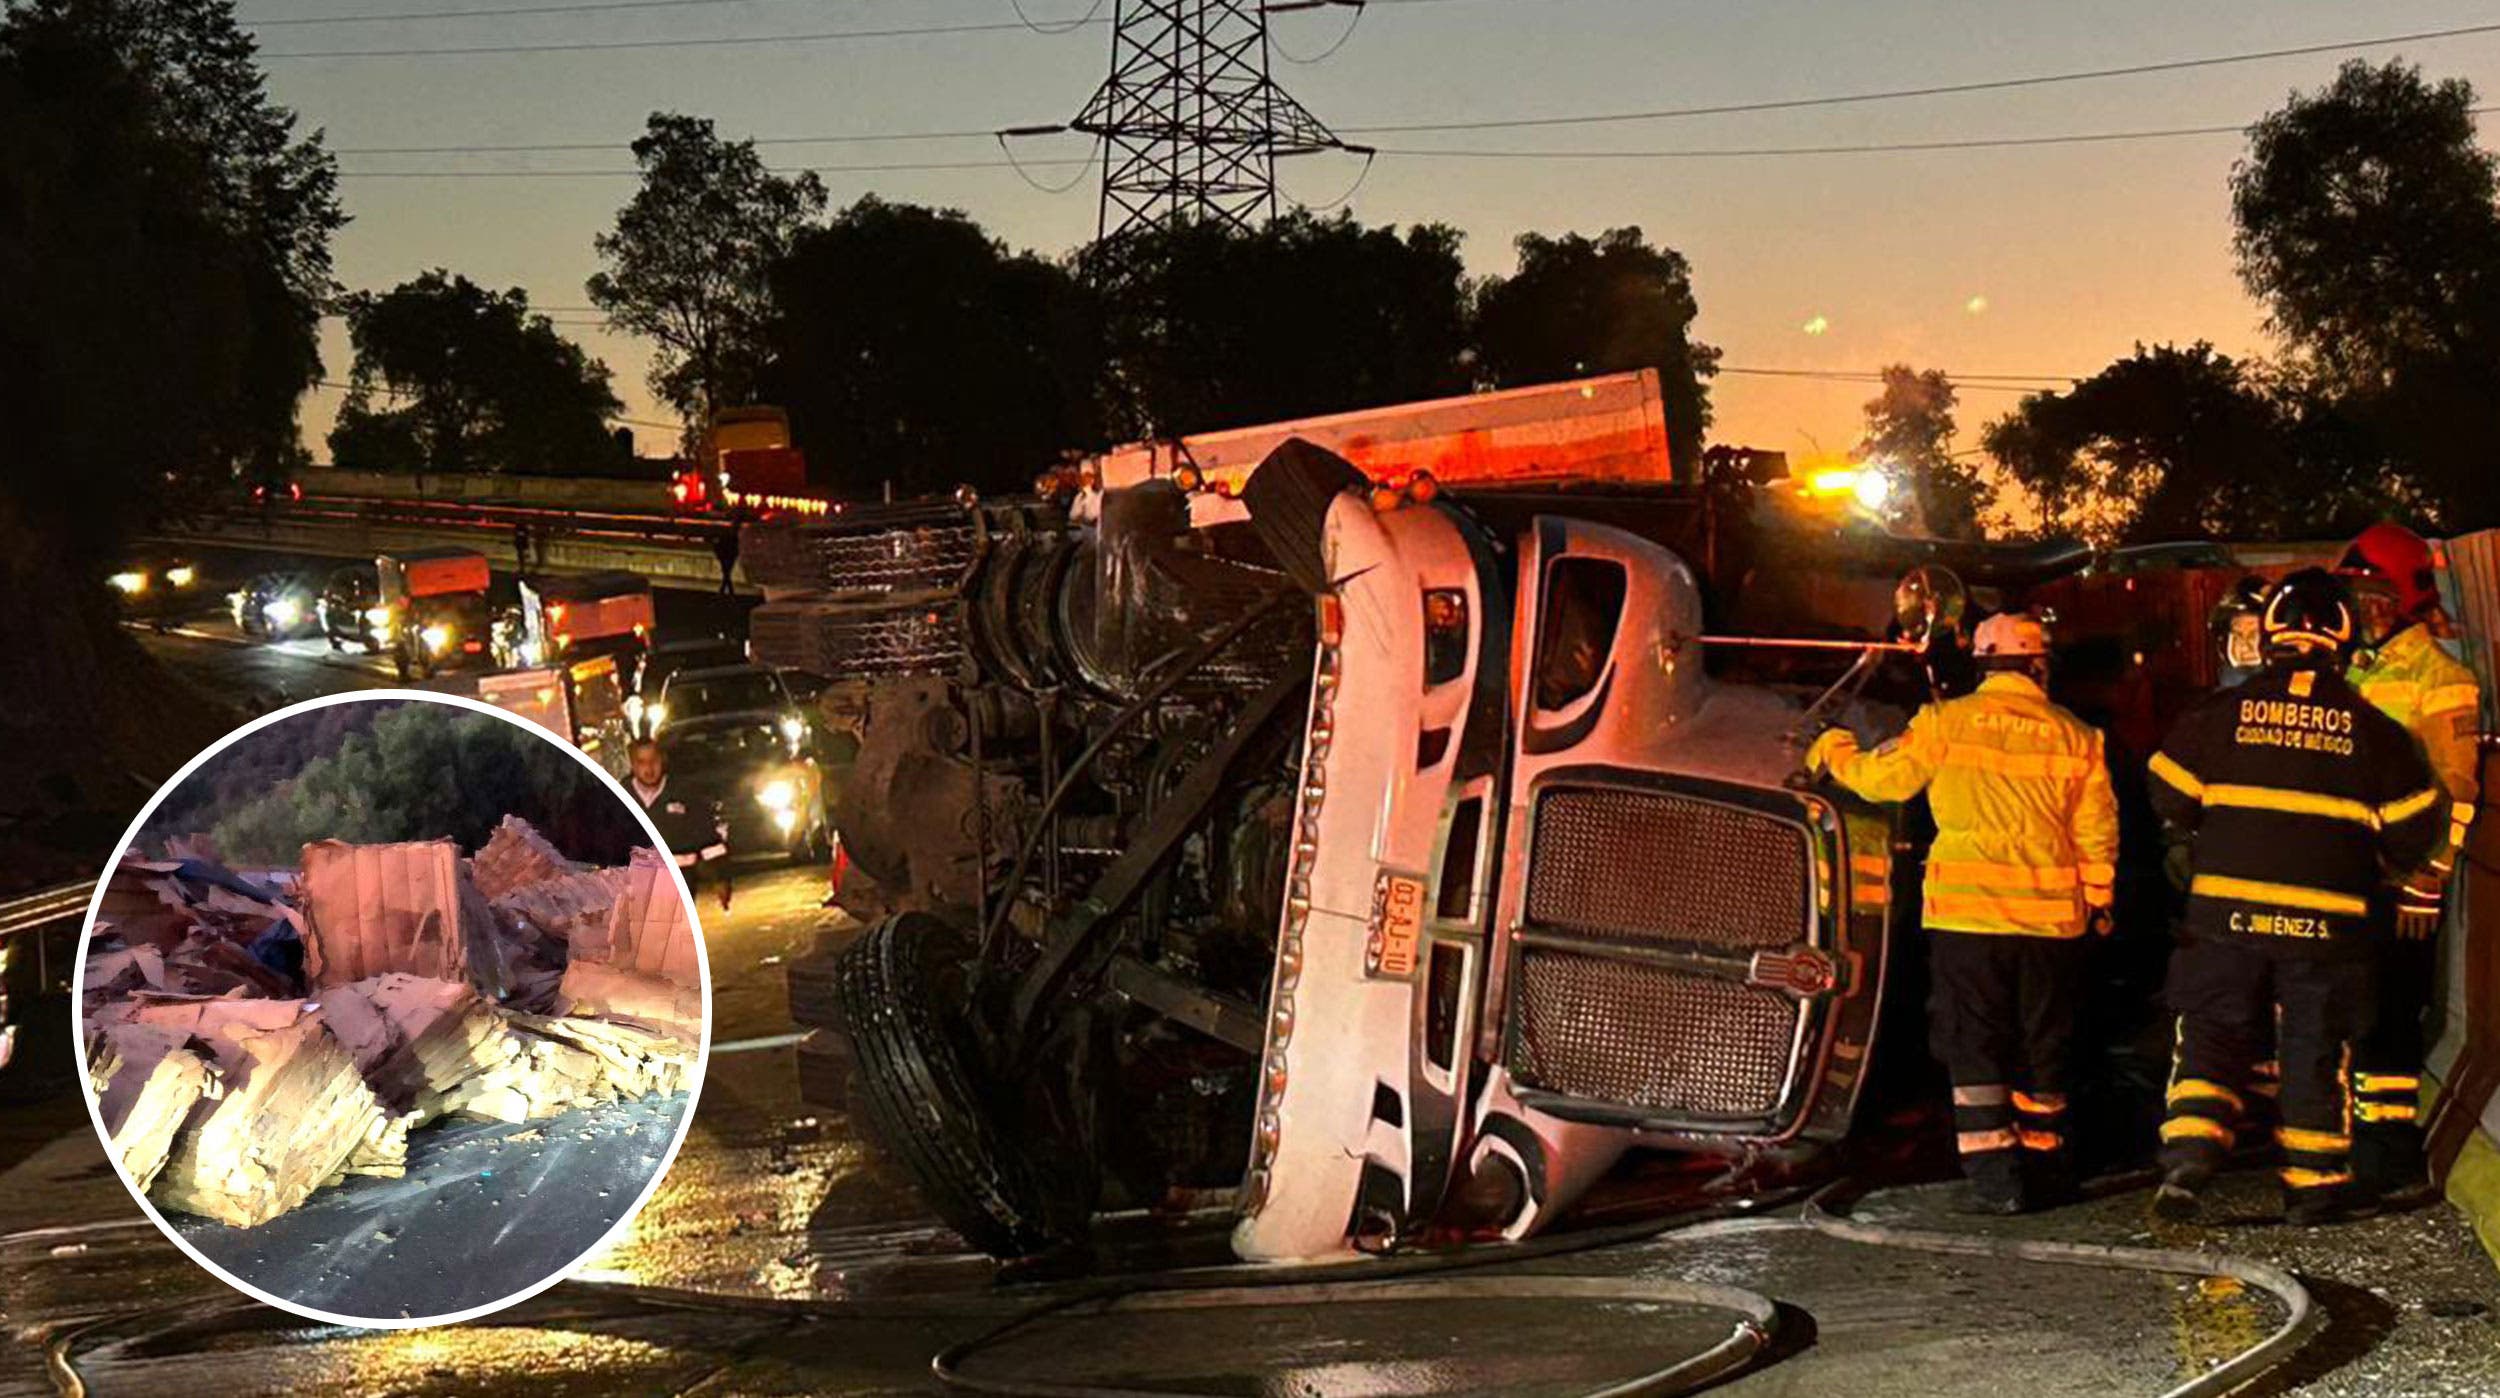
[1392, 850]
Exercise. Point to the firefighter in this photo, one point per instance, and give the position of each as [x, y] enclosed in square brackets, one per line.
[2238, 644]
[2021, 868]
[689, 823]
[2403, 671]
[2294, 796]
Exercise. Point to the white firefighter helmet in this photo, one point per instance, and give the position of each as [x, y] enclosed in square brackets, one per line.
[2010, 636]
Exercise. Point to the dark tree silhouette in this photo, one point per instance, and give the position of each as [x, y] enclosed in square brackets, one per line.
[1578, 306]
[912, 347]
[475, 382]
[1208, 327]
[690, 257]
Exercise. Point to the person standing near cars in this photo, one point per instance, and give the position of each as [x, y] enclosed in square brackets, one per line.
[2294, 797]
[689, 824]
[2023, 865]
[2402, 669]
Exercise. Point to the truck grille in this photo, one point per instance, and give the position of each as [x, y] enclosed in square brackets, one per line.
[1638, 1036]
[1655, 866]
[850, 641]
[1650, 866]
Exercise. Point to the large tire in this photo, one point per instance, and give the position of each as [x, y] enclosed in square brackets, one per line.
[902, 1008]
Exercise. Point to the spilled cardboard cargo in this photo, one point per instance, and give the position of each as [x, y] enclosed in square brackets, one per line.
[251, 1042]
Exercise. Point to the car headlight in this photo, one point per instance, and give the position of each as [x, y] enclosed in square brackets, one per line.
[786, 820]
[436, 637]
[283, 612]
[659, 715]
[794, 728]
[379, 616]
[181, 575]
[131, 583]
[778, 795]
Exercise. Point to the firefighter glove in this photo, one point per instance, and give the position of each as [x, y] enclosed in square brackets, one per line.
[1831, 740]
[2417, 915]
[2100, 921]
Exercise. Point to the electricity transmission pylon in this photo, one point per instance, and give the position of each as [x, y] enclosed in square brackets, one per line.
[1190, 120]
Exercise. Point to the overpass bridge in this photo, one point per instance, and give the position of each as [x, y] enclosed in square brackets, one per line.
[575, 526]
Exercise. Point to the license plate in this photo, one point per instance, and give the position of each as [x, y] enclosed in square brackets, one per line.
[1397, 926]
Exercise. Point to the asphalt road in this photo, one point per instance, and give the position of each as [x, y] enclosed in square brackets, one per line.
[783, 1254]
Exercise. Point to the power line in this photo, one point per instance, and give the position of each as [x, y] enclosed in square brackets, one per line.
[636, 174]
[1933, 90]
[614, 45]
[488, 12]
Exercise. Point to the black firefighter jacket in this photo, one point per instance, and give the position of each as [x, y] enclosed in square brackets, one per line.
[2302, 800]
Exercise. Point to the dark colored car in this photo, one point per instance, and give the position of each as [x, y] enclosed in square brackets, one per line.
[349, 598]
[771, 793]
[276, 606]
[666, 659]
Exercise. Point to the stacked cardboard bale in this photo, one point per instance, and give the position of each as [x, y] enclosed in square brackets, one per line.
[234, 1085]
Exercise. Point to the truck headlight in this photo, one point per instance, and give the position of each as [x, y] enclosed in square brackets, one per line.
[780, 796]
[283, 613]
[180, 575]
[436, 637]
[131, 583]
[785, 821]
[379, 616]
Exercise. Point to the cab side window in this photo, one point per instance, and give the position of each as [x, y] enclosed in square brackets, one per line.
[1582, 610]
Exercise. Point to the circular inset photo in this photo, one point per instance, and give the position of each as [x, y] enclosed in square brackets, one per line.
[394, 1008]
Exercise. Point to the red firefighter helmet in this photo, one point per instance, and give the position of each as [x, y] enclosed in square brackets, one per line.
[2398, 559]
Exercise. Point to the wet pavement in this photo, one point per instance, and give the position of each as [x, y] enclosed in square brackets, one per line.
[486, 1209]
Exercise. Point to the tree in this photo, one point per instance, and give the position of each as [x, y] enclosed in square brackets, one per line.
[2368, 221]
[426, 772]
[158, 216]
[912, 347]
[163, 259]
[1909, 429]
[690, 259]
[2173, 444]
[1579, 306]
[486, 384]
[1206, 326]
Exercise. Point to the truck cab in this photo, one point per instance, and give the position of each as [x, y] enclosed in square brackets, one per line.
[433, 612]
[563, 618]
[580, 700]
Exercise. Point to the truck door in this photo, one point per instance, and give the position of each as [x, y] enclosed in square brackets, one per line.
[1684, 947]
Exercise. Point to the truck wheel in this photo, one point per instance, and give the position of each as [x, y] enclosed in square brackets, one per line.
[901, 1003]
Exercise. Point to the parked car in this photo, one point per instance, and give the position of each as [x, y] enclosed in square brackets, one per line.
[349, 607]
[276, 606]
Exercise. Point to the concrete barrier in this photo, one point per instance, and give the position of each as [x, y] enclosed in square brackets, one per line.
[490, 489]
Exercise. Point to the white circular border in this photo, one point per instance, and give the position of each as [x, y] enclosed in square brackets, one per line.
[78, 1026]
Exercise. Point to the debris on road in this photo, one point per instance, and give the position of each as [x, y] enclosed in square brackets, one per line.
[252, 1042]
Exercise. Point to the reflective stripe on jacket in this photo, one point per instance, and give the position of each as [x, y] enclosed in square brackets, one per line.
[2026, 825]
[2422, 687]
[2297, 794]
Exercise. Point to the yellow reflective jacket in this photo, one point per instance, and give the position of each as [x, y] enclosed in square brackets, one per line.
[2419, 685]
[2026, 823]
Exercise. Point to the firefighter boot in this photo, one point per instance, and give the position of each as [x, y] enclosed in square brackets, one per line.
[1996, 1184]
[2315, 1205]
